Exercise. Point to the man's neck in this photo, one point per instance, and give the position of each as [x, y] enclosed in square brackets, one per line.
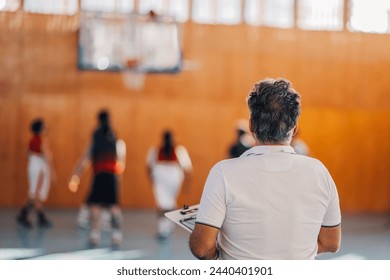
[268, 144]
[259, 143]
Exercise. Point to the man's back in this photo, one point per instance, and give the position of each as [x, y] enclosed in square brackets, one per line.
[270, 204]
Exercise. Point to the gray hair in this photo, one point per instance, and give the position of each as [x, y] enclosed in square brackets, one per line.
[274, 109]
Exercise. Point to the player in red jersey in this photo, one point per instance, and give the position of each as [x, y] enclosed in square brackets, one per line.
[40, 173]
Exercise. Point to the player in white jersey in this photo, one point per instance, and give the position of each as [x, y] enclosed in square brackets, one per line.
[168, 167]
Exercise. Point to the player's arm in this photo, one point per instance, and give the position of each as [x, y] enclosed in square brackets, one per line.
[82, 164]
[121, 155]
[186, 165]
[329, 239]
[203, 242]
[49, 159]
[150, 162]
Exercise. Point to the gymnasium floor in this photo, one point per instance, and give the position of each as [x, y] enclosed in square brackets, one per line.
[365, 236]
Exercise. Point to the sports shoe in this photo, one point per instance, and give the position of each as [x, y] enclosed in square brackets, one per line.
[94, 239]
[44, 223]
[24, 222]
[116, 239]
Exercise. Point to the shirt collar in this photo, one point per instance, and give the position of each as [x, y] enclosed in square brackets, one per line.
[259, 150]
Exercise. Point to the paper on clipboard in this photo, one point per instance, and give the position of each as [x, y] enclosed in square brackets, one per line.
[184, 217]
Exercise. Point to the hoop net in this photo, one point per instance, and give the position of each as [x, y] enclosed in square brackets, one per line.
[150, 45]
[132, 78]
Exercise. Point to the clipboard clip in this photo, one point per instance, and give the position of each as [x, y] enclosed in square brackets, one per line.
[186, 210]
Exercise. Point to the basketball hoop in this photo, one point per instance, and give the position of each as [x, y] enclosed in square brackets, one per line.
[132, 62]
[132, 78]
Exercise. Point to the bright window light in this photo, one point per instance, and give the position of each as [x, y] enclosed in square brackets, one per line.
[320, 14]
[203, 11]
[216, 11]
[9, 5]
[370, 16]
[228, 11]
[252, 12]
[278, 13]
[178, 9]
[118, 6]
[158, 6]
[63, 7]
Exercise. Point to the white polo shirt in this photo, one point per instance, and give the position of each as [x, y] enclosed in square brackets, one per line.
[270, 203]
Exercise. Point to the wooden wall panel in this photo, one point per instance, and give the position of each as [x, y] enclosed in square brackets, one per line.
[342, 78]
[352, 144]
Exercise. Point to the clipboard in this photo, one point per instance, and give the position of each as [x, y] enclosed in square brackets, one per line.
[184, 217]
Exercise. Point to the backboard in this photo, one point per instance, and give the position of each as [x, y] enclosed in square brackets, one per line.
[119, 42]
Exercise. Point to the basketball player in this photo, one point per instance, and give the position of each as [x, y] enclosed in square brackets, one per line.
[103, 154]
[39, 174]
[168, 167]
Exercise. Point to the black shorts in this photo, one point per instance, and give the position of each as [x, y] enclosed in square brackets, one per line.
[104, 190]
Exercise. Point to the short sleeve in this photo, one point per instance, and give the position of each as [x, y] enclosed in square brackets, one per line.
[121, 150]
[151, 157]
[332, 216]
[183, 158]
[212, 207]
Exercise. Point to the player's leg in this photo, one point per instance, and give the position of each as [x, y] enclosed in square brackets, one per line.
[166, 201]
[41, 196]
[116, 224]
[22, 217]
[94, 233]
[35, 178]
[160, 194]
[83, 217]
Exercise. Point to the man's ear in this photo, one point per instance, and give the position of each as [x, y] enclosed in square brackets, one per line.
[250, 125]
[295, 131]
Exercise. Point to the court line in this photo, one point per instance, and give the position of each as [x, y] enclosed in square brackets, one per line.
[20, 253]
[95, 254]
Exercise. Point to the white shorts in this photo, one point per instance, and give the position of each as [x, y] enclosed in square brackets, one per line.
[167, 182]
[39, 177]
